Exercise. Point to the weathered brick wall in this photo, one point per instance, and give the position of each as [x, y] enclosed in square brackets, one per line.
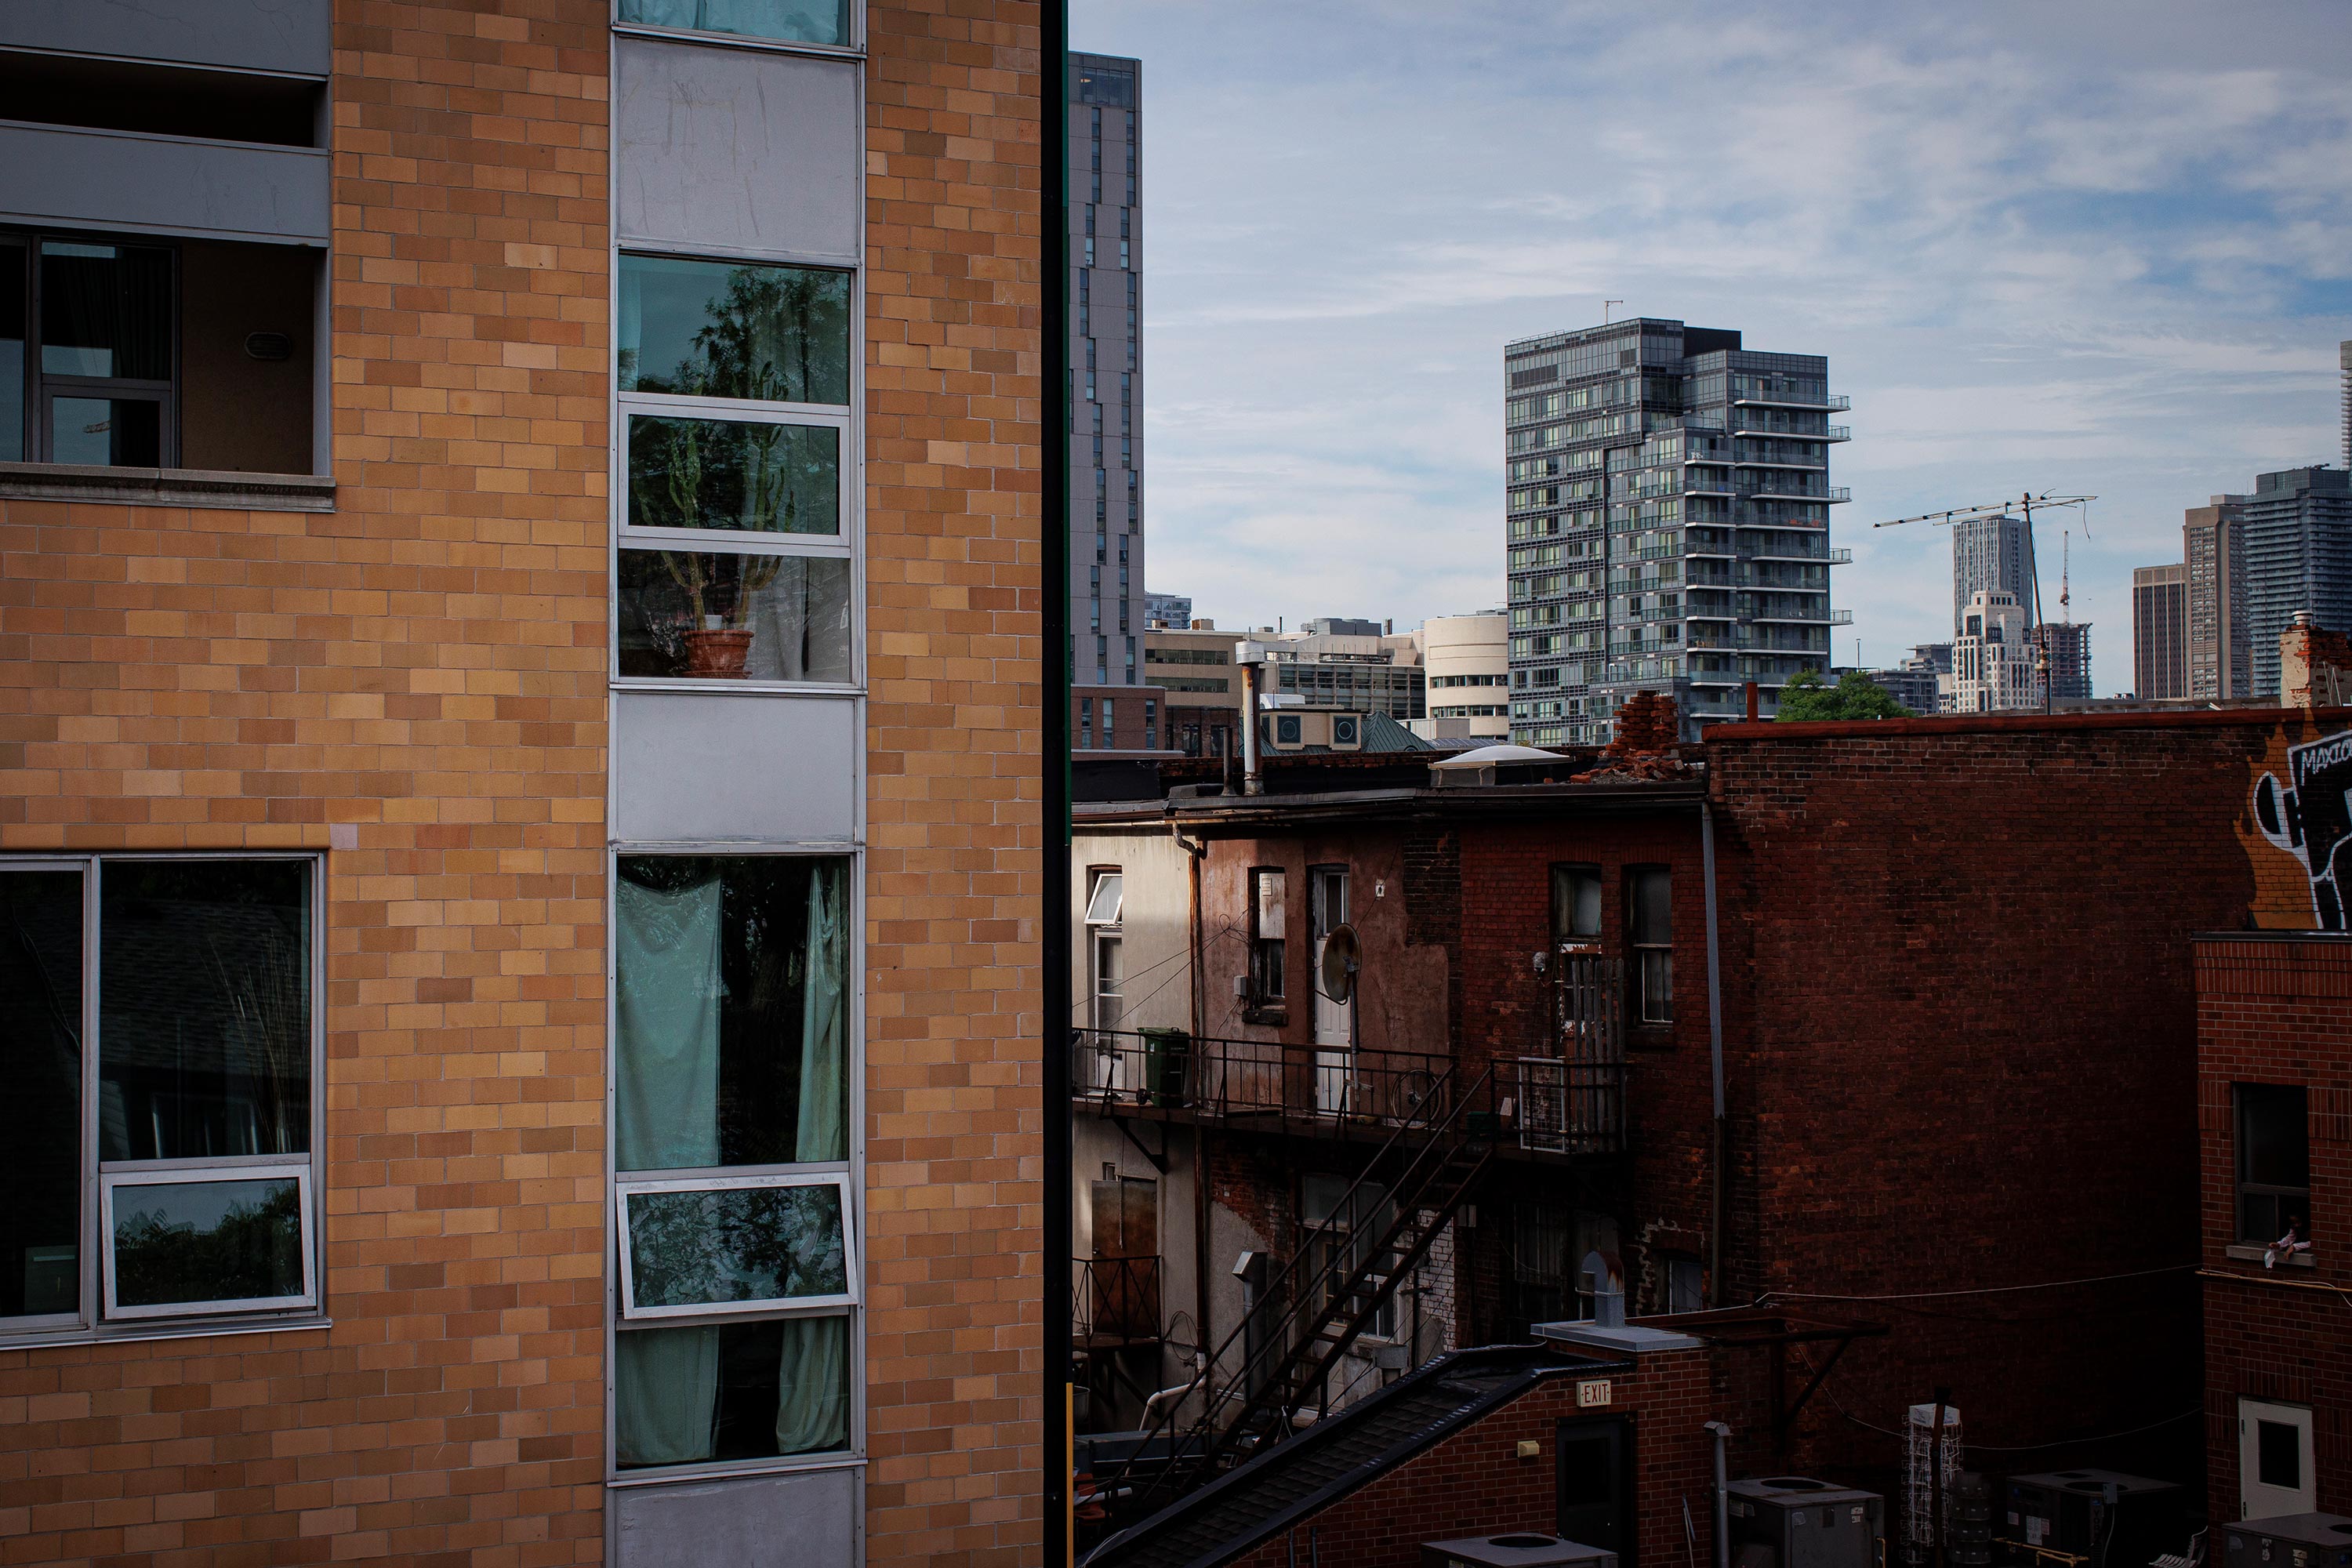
[2277, 1012]
[1475, 1483]
[426, 665]
[955, 1349]
[1966, 1059]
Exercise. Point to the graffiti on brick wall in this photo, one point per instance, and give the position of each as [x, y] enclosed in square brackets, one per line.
[2310, 817]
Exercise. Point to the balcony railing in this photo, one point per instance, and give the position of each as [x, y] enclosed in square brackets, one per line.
[1322, 1090]
[1115, 1300]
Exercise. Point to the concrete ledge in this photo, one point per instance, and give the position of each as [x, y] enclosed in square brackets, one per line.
[2254, 1255]
[210, 489]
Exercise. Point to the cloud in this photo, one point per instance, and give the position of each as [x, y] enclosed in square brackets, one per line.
[2095, 247]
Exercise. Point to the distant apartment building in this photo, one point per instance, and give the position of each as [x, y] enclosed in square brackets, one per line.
[1200, 689]
[2298, 528]
[1667, 502]
[1345, 666]
[1467, 661]
[1108, 615]
[519, 664]
[2220, 650]
[1174, 611]
[2069, 643]
[1992, 555]
[2160, 632]
[1994, 665]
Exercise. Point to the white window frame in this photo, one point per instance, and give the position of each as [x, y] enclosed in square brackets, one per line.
[190, 1173]
[847, 419]
[626, 1187]
[96, 1316]
[1113, 879]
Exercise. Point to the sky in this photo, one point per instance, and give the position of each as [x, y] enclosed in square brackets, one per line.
[2077, 247]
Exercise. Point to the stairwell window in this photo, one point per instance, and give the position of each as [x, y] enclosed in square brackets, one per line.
[1650, 936]
[2274, 1165]
[160, 1047]
[1267, 926]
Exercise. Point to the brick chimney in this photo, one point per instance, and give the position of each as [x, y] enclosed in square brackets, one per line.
[2314, 665]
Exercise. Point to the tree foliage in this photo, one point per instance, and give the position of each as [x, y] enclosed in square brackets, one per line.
[1855, 696]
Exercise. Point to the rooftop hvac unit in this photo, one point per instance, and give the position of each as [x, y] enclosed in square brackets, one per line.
[1524, 1549]
[2297, 1540]
[2111, 1519]
[1793, 1522]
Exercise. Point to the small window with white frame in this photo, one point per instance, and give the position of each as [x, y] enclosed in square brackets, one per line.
[159, 1041]
[737, 506]
[737, 1279]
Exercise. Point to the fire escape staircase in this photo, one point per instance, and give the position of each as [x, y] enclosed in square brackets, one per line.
[1333, 1289]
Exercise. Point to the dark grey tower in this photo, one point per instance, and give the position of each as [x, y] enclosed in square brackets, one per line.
[1108, 617]
[1667, 524]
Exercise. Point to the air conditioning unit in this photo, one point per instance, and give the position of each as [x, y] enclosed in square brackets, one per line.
[2297, 1540]
[2111, 1519]
[1346, 733]
[1290, 731]
[1523, 1548]
[1795, 1522]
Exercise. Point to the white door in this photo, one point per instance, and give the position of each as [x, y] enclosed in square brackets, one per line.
[2275, 1476]
[1334, 1022]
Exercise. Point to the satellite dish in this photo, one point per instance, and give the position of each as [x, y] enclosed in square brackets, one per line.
[1341, 962]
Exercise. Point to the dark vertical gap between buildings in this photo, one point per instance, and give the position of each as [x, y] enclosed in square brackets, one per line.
[1053, 645]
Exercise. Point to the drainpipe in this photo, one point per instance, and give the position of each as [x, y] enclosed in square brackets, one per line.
[1715, 1059]
[1722, 1493]
[1195, 852]
[1248, 654]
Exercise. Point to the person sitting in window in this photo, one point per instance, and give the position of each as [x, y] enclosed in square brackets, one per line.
[2292, 1242]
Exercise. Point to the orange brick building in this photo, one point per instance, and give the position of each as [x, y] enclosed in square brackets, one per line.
[520, 800]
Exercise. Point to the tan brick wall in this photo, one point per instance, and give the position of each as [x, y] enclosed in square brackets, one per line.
[954, 889]
[425, 662]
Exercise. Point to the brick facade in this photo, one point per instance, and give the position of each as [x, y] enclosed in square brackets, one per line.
[955, 1340]
[415, 685]
[2280, 1012]
[416, 679]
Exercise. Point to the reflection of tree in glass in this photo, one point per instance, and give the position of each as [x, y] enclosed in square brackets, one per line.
[254, 1251]
[759, 1244]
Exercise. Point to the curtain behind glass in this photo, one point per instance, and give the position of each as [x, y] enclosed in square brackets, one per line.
[666, 1002]
[811, 1407]
[668, 1006]
[799, 621]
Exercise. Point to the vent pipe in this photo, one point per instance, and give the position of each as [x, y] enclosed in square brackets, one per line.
[1250, 656]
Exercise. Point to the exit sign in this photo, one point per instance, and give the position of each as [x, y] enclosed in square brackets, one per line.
[1593, 1391]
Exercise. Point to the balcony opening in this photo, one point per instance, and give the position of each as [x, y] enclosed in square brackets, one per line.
[154, 100]
[127, 351]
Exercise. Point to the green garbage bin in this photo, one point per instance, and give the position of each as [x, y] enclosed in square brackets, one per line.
[1167, 1060]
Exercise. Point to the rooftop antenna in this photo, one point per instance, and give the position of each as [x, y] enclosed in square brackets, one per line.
[1605, 304]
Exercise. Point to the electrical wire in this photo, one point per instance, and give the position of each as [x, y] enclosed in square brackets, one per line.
[1768, 1297]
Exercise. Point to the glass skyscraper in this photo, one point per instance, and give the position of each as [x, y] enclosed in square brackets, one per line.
[1667, 524]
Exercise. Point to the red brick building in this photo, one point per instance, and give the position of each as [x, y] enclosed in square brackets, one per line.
[2274, 1121]
[1950, 965]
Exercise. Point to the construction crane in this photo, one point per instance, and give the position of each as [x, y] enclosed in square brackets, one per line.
[2024, 503]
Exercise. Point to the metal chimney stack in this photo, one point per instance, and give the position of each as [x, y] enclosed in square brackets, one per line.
[1251, 657]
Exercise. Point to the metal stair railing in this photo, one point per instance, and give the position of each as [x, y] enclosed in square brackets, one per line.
[1201, 1445]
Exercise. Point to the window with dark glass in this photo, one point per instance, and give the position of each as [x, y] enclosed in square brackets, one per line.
[196, 1196]
[2274, 1162]
[1650, 940]
[735, 525]
[1342, 1224]
[738, 1268]
[1575, 904]
[1265, 938]
[826, 23]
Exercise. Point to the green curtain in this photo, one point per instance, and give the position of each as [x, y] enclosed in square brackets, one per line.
[811, 1404]
[666, 1002]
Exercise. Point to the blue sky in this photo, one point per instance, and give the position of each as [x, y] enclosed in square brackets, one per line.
[2071, 247]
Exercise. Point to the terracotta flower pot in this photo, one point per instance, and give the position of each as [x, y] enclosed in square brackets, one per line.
[716, 654]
